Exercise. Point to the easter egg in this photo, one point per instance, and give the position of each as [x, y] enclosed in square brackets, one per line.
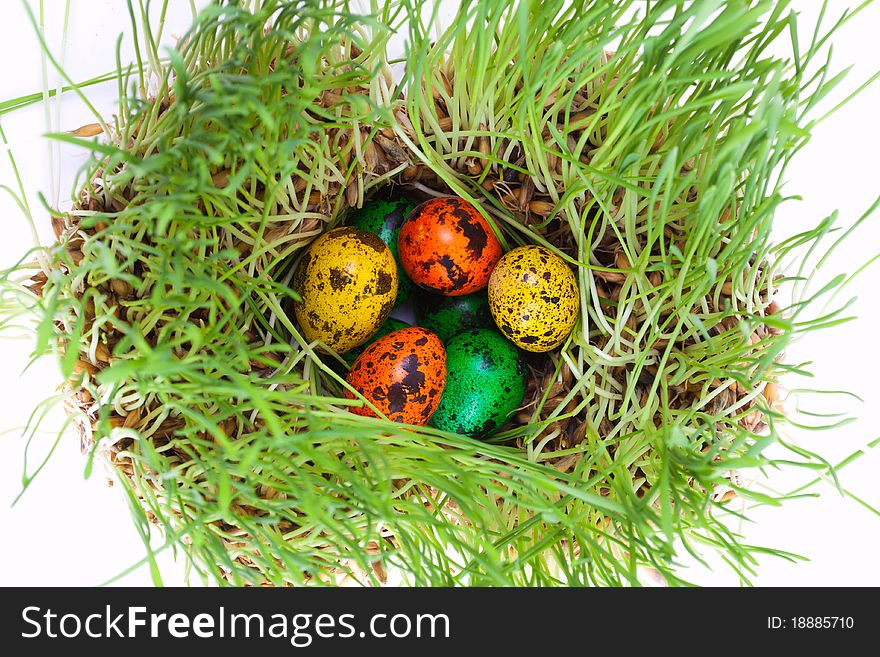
[384, 218]
[533, 296]
[347, 281]
[485, 384]
[448, 316]
[447, 246]
[402, 374]
[388, 326]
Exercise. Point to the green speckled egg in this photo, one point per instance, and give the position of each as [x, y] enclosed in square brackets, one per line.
[388, 326]
[485, 383]
[533, 296]
[384, 218]
[449, 316]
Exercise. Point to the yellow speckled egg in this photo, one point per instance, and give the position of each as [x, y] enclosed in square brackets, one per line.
[347, 279]
[533, 296]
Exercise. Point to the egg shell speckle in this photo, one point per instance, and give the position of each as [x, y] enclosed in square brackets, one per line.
[402, 374]
[485, 385]
[388, 326]
[384, 217]
[533, 296]
[448, 247]
[449, 316]
[347, 279]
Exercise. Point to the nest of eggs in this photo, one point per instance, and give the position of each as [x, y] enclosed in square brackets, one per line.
[666, 377]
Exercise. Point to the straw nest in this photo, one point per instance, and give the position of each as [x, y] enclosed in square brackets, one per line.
[515, 191]
[625, 373]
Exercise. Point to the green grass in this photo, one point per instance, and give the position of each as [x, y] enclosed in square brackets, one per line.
[231, 429]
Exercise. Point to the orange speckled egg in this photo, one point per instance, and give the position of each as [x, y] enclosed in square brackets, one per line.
[402, 374]
[447, 246]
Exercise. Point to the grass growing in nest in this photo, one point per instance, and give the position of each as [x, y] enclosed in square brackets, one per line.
[644, 143]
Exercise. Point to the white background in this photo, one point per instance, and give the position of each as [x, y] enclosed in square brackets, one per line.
[68, 530]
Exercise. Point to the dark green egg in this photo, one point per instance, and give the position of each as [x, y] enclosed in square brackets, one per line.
[485, 383]
[449, 316]
[388, 326]
[384, 216]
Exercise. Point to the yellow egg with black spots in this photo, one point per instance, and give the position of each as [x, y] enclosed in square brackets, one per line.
[533, 297]
[347, 282]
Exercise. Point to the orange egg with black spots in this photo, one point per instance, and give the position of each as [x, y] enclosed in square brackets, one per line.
[446, 246]
[402, 374]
